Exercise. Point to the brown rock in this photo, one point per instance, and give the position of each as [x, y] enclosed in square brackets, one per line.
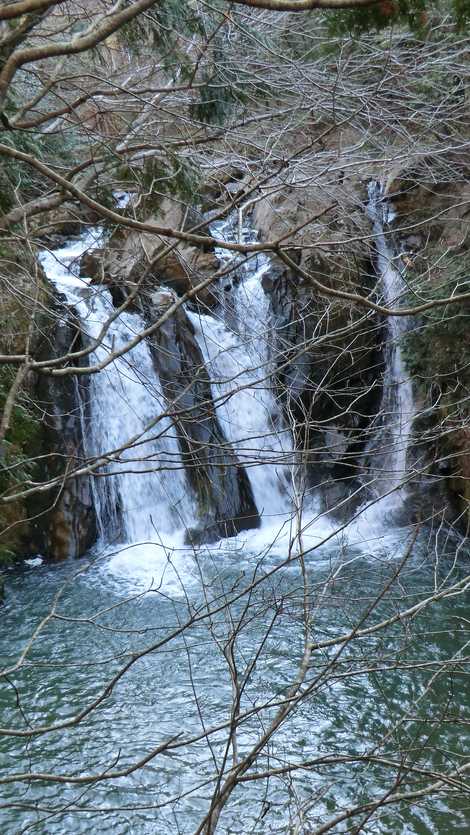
[133, 259]
[92, 265]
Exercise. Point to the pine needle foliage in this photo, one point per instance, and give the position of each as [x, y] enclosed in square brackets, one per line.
[414, 14]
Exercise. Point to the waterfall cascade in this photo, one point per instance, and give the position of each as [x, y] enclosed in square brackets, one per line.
[236, 344]
[141, 488]
[388, 449]
[128, 414]
[125, 421]
[141, 491]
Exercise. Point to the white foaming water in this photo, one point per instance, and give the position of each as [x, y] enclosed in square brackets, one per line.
[62, 266]
[236, 346]
[388, 450]
[147, 489]
[385, 459]
[140, 491]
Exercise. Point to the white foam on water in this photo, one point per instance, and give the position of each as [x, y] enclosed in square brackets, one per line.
[150, 566]
[34, 562]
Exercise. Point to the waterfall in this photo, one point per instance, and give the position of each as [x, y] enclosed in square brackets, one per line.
[141, 490]
[236, 344]
[145, 494]
[141, 493]
[387, 451]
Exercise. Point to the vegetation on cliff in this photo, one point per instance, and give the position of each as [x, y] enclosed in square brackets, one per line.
[22, 296]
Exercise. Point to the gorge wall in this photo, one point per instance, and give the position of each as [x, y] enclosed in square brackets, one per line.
[42, 443]
[327, 359]
[431, 231]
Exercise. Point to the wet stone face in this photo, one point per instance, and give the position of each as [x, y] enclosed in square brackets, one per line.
[163, 298]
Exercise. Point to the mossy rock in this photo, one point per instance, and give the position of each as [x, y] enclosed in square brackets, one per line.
[23, 292]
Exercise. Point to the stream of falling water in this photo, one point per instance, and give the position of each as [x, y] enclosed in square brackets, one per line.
[141, 493]
[146, 495]
[235, 343]
[387, 451]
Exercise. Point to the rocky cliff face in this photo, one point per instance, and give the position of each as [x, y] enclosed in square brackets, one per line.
[43, 439]
[328, 350]
[329, 370]
[65, 522]
[432, 231]
[23, 291]
[223, 492]
[135, 264]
